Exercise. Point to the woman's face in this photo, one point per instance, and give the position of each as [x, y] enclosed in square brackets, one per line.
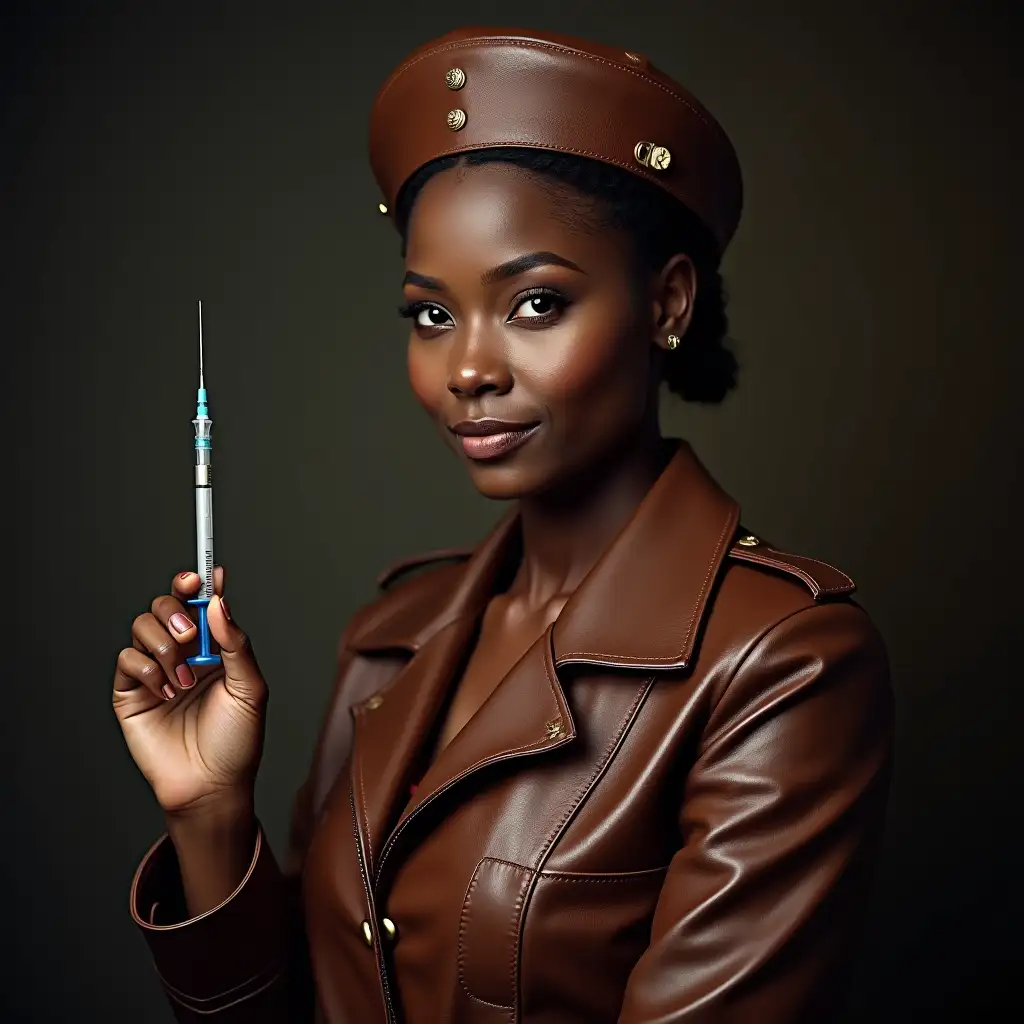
[529, 347]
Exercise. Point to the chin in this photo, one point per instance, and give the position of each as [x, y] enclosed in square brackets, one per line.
[503, 482]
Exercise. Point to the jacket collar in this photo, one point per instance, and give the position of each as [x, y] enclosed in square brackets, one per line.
[642, 604]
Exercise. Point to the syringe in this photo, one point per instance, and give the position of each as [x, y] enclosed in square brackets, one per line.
[204, 513]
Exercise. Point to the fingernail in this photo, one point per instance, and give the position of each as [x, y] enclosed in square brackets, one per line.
[180, 622]
[184, 575]
[167, 691]
[185, 676]
[225, 609]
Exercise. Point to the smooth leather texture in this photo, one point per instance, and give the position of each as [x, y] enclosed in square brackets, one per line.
[666, 811]
[558, 93]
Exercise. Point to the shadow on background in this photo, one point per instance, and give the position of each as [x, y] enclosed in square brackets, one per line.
[154, 154]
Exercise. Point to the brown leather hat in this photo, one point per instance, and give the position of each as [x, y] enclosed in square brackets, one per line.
[478, 88]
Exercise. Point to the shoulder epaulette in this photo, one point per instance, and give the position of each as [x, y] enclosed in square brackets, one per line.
[399, 569]
[823, 580]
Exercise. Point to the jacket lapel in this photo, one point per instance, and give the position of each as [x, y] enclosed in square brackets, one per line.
[527, 713]
[391, 731]
[641, 607]
[643, 603]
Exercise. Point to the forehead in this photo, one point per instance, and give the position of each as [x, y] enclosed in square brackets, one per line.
[500, 210]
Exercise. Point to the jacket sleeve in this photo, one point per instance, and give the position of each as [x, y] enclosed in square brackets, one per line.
[245, 960]
[780, 819]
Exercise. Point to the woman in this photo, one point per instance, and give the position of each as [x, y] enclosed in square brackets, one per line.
[624, 761]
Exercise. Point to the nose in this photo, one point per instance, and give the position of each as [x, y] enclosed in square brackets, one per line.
[476, 369]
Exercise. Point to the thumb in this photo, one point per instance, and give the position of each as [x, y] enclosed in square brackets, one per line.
[242, 676]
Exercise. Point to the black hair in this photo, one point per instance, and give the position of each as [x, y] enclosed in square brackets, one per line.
[702, 368]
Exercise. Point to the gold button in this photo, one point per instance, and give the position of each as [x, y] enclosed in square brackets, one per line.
[651, 155]
[374, 702]
[750, 541]
[389, 928]
[456, 119]
[368, 934]
[455, 79]
[555, 729]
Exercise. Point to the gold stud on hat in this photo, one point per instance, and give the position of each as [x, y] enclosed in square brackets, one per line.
[455, 79]
[672, 341]
[456, 119]
[651, 155]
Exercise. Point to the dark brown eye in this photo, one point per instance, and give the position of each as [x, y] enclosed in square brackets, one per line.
[432, 316]
[535, 306]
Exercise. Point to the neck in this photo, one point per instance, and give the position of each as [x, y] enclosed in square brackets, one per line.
[565, 533]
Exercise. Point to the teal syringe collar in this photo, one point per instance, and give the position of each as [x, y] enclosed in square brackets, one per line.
[204, 657]
[201, 412]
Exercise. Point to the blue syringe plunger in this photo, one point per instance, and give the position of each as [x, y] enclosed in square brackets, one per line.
[205, 655]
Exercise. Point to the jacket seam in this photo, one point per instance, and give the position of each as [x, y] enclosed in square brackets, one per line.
[577, 803]
[197, 1003]
[520, 905]
[610, 876]
[761, 640]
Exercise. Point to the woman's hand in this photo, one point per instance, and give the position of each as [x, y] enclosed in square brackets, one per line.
[198, 741]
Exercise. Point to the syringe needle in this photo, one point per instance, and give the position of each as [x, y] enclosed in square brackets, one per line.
[200, 343]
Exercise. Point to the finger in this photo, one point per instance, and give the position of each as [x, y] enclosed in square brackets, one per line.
[174, 617]
[242, 676]
[134, 670]
[187, 584]
[165, 650]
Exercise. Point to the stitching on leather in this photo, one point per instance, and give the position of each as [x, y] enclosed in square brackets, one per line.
[783, 563]
[366, 816]
[627, 878]
[694, 618]
[611, 876]
[400, 827]
[537, 44]
[746, 659]
[225, 1006]
[578, 802]
[197, 1002]
[462, 929]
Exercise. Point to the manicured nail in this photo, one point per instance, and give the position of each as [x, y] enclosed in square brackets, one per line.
[224, 608]
[167, 691]
[184, 575]
[185, 676]
[180, 622]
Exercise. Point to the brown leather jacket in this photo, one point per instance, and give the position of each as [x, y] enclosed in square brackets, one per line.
[665, 811]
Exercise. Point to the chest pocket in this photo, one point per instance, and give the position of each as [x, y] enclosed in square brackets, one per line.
[581, 936]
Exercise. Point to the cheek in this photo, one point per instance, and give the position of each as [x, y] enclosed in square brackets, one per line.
[596, 370]
[428, 373]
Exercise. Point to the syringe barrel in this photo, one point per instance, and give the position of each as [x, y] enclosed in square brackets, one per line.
[204, 539]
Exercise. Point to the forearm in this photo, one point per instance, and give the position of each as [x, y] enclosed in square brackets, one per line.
[214, 851]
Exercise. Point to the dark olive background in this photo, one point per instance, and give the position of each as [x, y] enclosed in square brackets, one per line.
[156, 153]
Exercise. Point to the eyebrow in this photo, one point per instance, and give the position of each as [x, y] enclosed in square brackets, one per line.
[502, 272]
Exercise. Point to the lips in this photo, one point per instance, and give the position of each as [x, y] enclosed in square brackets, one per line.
[491, 439]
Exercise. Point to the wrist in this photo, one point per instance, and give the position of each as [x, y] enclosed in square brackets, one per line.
[223, 814]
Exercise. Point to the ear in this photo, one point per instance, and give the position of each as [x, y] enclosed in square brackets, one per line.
[675, 291]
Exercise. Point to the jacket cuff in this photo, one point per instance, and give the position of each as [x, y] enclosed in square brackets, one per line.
[226, 955]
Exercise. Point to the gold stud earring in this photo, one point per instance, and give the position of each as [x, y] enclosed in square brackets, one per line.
[672, 341]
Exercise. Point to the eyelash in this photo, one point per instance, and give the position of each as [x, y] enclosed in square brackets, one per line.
[410, 310]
